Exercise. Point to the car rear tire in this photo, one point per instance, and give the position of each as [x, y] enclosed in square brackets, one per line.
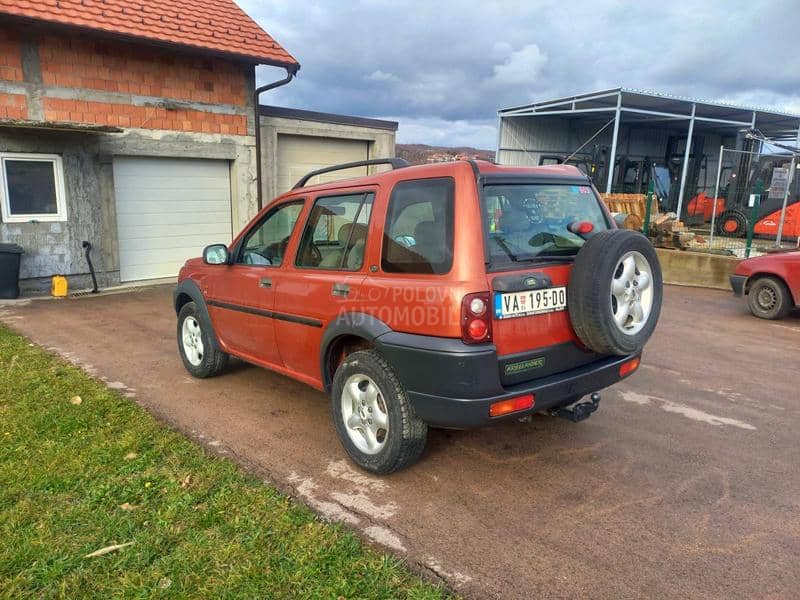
[373, 418]
[615, 292]
[198, 349]
[769, 298]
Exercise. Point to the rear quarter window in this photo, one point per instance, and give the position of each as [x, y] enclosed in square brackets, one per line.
[418, 233]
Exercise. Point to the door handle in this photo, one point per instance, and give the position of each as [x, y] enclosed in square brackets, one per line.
[340, 289]
[264, 283]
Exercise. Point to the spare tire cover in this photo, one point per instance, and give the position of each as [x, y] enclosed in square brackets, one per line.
[615, 292]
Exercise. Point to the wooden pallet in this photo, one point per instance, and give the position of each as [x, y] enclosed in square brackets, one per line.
[631, 204]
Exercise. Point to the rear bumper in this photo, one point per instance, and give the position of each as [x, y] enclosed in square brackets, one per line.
[451, 384]
[737, 283]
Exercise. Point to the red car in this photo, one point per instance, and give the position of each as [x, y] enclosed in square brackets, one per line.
[449, 295]
[771, 284]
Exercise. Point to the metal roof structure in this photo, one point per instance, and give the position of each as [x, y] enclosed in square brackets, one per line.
[602, 108]
[639, 105]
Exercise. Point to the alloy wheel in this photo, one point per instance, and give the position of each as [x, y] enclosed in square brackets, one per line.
[192, 339]
[364, 413]
[632, 293]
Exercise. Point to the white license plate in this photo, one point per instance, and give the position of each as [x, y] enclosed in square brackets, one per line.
[532, 302]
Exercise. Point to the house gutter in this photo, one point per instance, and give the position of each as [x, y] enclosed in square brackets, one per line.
[291, 71]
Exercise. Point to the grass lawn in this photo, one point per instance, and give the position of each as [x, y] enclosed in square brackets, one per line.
[77, 476]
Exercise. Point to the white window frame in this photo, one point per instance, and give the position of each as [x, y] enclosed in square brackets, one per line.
[61, 196]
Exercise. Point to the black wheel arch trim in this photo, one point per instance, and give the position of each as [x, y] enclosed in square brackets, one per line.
[189, 288]
[353, 323]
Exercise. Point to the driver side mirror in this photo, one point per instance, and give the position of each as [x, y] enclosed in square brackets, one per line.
[215, 254]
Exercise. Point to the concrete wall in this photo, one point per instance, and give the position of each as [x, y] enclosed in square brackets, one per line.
[55, 248]
[696, 268]
[382, 142]
[167, 104]
[52, 248]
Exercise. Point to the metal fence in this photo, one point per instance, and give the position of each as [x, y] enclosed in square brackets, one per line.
[753, 207]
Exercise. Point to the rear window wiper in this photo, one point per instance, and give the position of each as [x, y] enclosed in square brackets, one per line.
[544, 255]
[504, 247]
[556, 256]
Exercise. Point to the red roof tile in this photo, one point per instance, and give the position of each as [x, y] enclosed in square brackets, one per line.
[219, 26]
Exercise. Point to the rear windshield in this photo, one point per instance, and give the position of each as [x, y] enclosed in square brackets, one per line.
[528, 222]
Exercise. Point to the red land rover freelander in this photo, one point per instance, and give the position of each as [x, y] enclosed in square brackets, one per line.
[447, 295]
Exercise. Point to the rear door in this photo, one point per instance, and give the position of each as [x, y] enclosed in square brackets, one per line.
[324, 278]
[529, 254]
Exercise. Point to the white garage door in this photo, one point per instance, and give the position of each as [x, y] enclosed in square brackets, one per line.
[299, 154]
[168, 210]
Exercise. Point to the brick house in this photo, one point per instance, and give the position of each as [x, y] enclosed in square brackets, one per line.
[130, 125]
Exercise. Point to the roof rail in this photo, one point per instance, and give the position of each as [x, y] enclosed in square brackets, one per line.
[397, 163]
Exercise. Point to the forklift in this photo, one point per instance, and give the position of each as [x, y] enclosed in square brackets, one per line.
[737, 182]
[734, 221]
[589, 163]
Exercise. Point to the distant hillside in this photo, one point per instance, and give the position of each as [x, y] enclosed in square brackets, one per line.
[420, 154]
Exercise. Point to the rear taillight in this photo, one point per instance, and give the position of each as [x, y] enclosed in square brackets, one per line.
[504, 407]
[629, 367]
[476, 318]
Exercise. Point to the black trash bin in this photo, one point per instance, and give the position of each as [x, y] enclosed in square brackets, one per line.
[9, 270]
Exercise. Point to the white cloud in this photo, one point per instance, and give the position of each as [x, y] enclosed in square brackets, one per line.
[440, 132]
[381, 76]
[522, 67]
[445, 68]
[501, 50]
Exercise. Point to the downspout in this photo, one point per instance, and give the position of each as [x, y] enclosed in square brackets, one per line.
[87, 246]
[290, 73]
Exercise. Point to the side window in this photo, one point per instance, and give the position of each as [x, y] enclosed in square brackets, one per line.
[266, 243]
[32, 188]
[418, 236]
[336, 233]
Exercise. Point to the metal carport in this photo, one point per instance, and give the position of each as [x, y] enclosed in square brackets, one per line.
[564, 125]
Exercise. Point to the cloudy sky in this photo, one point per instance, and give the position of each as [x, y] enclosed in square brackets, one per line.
[443, 68]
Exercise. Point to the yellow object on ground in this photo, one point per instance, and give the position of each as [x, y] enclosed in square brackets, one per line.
[60, 286]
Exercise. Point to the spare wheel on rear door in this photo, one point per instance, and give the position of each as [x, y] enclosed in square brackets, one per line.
[615, 292]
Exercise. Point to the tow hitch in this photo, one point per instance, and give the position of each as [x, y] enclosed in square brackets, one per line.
[580, 410]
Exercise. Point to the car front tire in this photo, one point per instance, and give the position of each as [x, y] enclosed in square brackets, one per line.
[769, 298]
[196, 344]
[373, 417]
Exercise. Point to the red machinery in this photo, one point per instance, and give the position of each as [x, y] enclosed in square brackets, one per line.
[703, 204]
[768, 226]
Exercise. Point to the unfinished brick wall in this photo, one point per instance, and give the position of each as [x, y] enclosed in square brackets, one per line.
[130, 69]
[85, 80]
[12, 105]
[10, 56]
[143, 117]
